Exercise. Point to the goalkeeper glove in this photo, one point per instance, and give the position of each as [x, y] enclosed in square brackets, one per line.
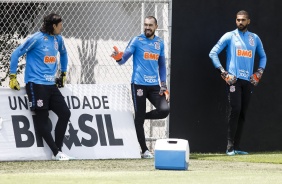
[60, 81]
[229, 79]
[14, 84]
[255, 78]
[163, 90]
[117, 55]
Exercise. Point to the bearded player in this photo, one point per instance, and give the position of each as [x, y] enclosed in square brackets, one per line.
[148, 78]
[241, 46]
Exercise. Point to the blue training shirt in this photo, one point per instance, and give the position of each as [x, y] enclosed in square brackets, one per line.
[41, 51]
[148, 60]
[240, 50]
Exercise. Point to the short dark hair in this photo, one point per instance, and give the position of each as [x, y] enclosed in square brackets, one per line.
[48, 22]
[152, 17]
[243, 12]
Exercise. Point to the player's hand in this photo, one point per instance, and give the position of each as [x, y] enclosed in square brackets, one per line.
[60, 81]
[255, 78]
[229, 78]
[14, 84]
[164, 91]
[117, 55]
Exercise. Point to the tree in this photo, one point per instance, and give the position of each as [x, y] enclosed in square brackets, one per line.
[15, 21]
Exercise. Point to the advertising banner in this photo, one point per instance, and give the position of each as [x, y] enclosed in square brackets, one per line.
[101, 125]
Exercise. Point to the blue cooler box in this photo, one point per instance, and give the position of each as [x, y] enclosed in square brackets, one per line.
[172, 154]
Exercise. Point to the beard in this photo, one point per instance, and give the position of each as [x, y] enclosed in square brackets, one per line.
[148, 33]
[241, 27]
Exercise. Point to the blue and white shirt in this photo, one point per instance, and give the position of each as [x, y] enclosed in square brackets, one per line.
[240, 50]
[148, 60]
[41, 51]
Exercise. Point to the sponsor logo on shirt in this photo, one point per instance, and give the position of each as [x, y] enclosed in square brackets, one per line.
[150, 79]
[150, 56]
[244, 53]
[49, 59]
[49, 78]
[244, 73]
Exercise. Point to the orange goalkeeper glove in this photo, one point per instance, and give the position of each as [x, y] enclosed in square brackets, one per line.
[14, 84]
[255, 78]
[229, 78]
[117, 55]
[163, 90]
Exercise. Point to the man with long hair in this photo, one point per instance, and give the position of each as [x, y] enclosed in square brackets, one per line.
[41, 51]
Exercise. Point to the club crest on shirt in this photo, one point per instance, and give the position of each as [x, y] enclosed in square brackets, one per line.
[251, 40]
[56, 45]
[139, 92]
[157, 45]
[232, 88]
[39, 103]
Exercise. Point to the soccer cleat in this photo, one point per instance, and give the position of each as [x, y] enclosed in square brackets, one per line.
[147, 154]
[230, 153]
[62, 156]
[237, 152]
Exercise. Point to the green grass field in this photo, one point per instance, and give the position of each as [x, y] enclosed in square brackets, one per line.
[256, 168]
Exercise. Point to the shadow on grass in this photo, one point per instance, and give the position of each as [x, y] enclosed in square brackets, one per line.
[200, 156]
[256, 157]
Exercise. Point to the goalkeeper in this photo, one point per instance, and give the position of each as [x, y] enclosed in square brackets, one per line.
[148, 66]
[241, 46]
[41, 50]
